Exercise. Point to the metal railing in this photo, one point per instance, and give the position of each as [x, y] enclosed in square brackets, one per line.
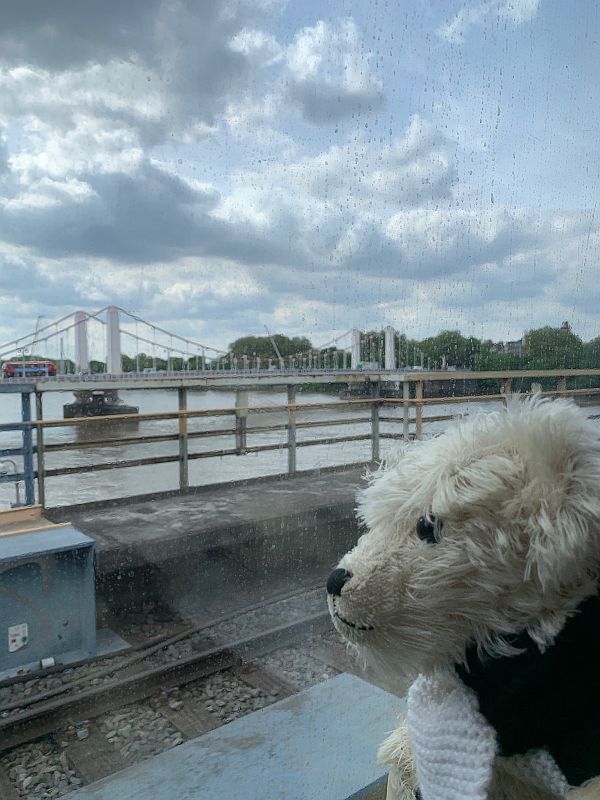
[409, 425]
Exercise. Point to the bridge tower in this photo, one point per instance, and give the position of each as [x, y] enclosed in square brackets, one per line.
[82, 358]
[355, 351]
[390, 349]
[113, 342]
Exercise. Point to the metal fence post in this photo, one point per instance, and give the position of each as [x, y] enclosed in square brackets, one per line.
[241, 420]
[419, 410]
[505, 388]
[406, 410]
[291, 427]
[39, 441]
[375, 424]
[27, 449]
[183, 440]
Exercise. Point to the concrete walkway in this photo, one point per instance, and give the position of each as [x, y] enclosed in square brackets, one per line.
[280, 531]
[320, 743]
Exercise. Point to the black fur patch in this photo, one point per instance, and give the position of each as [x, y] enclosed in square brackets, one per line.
[549, 699]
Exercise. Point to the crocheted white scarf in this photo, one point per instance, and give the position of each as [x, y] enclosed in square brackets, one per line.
[455, 747]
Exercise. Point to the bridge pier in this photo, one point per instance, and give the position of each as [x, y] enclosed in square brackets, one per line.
[390, 349]
[355, 348]
[82, 358]
[99, 403]
[113, 342]
[103, 402]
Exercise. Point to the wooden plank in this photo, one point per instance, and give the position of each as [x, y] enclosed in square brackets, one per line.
[10, 516]
[95, 757]
[35, 528]
[265, 680]
[191, 719]
[7, 789]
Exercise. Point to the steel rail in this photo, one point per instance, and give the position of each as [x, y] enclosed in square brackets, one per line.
[45, 717]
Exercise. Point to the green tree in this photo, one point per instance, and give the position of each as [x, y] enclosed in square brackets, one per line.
[552, 348]
[591, 354]
[451, 346]
[262, 346]
[486, 360]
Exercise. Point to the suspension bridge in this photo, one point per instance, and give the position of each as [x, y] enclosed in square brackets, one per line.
[87, 349]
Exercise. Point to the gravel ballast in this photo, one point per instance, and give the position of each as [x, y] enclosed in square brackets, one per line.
[40, 771]
[139, 731]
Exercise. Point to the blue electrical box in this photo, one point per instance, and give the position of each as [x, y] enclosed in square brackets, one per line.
[47, 599]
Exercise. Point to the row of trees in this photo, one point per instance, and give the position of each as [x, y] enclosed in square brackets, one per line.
[542, 348]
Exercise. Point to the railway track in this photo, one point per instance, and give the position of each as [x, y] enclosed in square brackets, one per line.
[74, 724]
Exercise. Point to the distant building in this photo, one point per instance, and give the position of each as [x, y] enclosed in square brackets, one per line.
[565, 328]
[513, 348]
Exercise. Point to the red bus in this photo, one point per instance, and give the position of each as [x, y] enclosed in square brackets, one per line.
[25, 369]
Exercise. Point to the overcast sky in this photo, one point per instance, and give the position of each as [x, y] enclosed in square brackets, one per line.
[312, 166]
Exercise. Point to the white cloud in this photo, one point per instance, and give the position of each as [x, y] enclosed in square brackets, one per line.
[91, 146]
[48, 193]
[516, 12]
[329, 73]
[260, 48]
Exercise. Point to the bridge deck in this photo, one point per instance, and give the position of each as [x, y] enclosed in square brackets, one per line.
[239, 379]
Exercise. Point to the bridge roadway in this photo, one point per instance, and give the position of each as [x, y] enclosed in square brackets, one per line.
[239, 379]
[217, 547]
[207, 379]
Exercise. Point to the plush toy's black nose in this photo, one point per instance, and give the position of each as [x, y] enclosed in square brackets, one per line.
[336, 581]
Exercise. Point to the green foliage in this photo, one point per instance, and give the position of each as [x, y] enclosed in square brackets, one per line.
[262, 346]
[487, 360]
[591, 353]
[552, 348]
[451, 348]
[372, 347]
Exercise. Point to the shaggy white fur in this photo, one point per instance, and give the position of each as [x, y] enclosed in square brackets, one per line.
[516, 499]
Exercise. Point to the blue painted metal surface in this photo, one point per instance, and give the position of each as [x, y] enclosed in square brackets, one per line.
[47, 583]
[318, 744]
[27, 449]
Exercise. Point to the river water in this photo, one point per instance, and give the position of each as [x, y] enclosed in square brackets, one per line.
[80, 488]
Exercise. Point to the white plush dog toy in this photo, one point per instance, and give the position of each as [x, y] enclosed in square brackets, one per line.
[478, 575]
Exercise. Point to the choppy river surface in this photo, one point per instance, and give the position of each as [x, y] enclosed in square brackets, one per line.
[67, 490]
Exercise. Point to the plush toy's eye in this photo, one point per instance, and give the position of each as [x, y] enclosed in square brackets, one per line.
[427, 528]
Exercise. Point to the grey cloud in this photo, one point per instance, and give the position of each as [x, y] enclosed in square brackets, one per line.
[139, 218]
[322, 104]
[328, 73]
[64, 33]
[24, 281]
[4, 169]
[182, 45]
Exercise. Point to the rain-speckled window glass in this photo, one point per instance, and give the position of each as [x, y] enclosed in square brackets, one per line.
[250, 251]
